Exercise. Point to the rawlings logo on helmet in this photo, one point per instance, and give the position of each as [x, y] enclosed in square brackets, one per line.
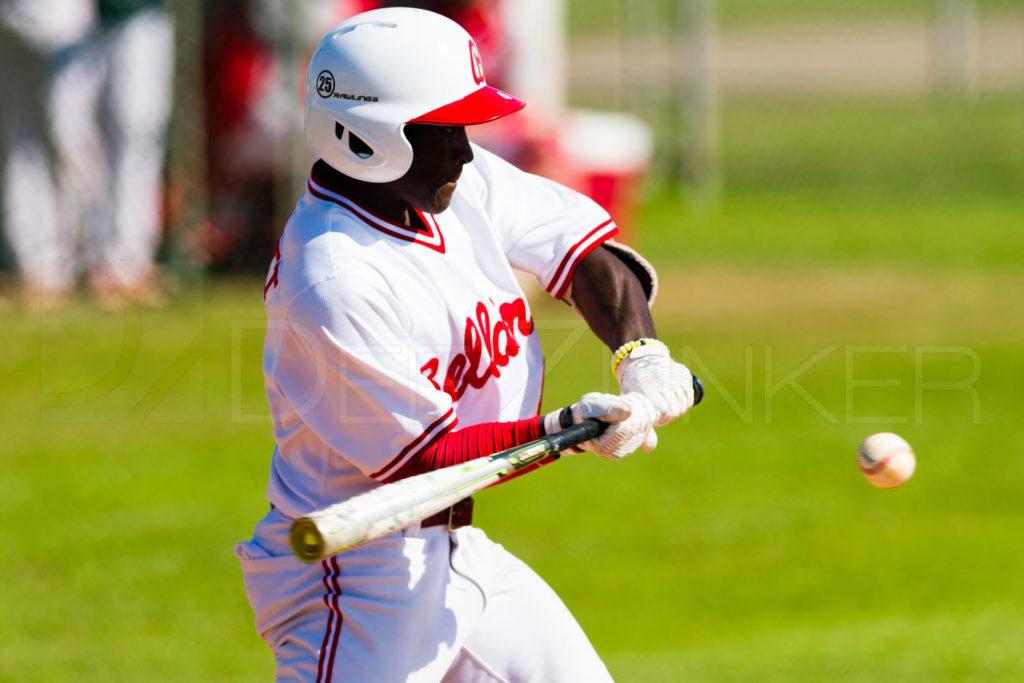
[325, 88]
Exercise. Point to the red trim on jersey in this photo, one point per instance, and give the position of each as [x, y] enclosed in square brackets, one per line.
[430, 220]
[480, 106]
[543, 374]
[332, 634]
[562, 278]
[475, 441]
[432, 238]
[425, 440]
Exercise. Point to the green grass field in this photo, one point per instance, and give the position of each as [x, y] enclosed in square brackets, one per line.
[845, 284]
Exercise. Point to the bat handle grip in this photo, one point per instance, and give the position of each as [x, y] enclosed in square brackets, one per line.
[576, 434]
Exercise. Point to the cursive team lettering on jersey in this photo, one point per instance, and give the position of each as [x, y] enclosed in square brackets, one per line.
[487, 347]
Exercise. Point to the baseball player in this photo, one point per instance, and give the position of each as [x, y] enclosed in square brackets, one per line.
[399, 341]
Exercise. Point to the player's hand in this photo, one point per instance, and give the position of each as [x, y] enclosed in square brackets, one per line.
[630, 419]
[650, 370]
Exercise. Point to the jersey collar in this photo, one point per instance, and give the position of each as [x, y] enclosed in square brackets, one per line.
[431, 237]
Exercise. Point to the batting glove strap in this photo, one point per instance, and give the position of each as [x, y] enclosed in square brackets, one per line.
[565, 418]
[558, 420]
[636, 349]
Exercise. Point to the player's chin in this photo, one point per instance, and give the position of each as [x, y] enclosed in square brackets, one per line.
[442, 198]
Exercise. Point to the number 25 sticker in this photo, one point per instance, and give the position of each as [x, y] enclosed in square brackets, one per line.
[325, 83]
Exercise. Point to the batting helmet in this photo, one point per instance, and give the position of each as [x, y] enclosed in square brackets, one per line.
[379, 70]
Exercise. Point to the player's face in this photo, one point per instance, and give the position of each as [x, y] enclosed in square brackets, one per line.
[438, 155]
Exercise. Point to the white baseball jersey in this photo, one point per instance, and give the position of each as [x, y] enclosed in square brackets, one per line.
[381, 338]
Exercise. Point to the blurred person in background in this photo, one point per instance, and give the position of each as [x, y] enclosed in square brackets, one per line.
[251, 118]
[85, 117]
[128, 85]
[39, 40]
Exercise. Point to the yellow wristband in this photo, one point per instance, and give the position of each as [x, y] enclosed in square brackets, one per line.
[624, 350]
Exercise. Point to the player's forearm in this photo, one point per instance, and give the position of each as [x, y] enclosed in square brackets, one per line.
[611, 299]
[471, 442]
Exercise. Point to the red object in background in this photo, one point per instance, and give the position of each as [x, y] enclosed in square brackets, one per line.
[606, 155]
[617, 193]
[237, 63]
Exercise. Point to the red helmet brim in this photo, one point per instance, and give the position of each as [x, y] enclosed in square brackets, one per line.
[480, 106]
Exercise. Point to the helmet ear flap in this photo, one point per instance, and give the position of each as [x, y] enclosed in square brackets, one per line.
[355, 148]
[355, 143]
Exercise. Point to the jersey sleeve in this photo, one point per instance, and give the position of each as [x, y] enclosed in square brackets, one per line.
[545, 228]
[348, 369]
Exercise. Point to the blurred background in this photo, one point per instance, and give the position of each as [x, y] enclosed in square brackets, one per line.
[832, 193]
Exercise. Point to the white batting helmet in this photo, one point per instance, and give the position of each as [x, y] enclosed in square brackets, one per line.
[379, 70]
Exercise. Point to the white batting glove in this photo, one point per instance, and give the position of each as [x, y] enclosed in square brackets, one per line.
[647, 368]
[630, 419]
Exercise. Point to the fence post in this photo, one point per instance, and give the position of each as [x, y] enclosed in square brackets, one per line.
[956, 54]
[696, 97]
[186, 138]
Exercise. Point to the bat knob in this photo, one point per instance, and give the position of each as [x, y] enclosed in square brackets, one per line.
[306, 540]
[698, 389]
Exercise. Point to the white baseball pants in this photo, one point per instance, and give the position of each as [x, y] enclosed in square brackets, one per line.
[418, 605]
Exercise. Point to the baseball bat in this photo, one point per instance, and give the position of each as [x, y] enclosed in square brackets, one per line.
[391, 507]
[386, 509]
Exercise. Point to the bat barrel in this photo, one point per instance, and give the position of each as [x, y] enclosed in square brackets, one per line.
[385, 509]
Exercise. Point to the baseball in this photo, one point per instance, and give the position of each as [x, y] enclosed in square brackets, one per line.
[886, 460]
